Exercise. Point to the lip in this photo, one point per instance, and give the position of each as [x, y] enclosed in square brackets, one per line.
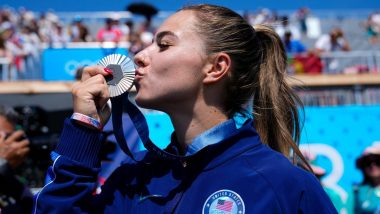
[138, 75]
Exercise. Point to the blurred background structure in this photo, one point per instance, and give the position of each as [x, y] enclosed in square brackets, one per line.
[333, 54]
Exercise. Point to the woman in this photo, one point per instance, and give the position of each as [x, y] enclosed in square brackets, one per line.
[204, 74]
[367, 194]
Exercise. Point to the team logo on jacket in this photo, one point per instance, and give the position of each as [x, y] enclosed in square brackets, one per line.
[224, 202]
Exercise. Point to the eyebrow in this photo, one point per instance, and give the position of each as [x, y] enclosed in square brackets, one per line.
[161, 34]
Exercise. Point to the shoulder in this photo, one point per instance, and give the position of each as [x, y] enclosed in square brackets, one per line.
[290, 185]
[272, 165]
[278, 174]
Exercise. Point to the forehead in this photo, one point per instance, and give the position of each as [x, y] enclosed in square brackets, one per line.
[180, 23]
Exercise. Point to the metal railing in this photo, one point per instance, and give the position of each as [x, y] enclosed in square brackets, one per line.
[351, 62]
[340, 62]
[330, 63]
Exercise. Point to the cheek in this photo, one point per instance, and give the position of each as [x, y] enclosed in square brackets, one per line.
[177, 69]
[174, 71]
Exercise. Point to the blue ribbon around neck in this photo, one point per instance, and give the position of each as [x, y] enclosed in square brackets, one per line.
[211, 136]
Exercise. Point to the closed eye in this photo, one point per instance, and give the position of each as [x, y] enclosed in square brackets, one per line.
[165, 39]
[163, 46]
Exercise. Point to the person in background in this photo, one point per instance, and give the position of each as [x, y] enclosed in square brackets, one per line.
[33, 49]
[285, 26]
[15, 197]
[109, 33]
[15, 45]
[300, 60]
[211, 72]
[136, 44]
[79, 32]
[367, 194]
[5, 54]
[301, 16]
[372, 26]
[292, 46]
[126, 29]
[334, 41]
[58, 37]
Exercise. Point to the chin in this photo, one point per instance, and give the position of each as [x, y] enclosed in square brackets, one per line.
[153, 104]
[143, 102]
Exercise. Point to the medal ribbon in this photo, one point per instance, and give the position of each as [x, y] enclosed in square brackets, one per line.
[211, 136]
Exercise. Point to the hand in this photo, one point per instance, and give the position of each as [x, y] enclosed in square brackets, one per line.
[90, 95]
[12, 149]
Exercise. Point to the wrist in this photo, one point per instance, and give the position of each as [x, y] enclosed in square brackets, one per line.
[86, 121]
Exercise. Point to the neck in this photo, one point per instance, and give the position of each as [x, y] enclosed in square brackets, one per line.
[188, 125]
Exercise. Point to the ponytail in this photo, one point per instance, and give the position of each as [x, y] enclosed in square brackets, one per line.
[275, 104]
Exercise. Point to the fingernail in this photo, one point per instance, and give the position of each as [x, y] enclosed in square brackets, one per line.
[109, 71]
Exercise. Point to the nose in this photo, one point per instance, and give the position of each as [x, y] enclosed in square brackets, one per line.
[140, 59]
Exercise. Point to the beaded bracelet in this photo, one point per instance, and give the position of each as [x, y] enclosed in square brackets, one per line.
[86, 120]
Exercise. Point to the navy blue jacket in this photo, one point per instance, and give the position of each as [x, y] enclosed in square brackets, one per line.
[237, 175]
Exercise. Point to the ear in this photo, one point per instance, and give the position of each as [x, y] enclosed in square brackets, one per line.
[217, 68]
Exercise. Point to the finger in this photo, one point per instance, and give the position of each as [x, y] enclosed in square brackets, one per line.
[24, 151]
[103, 97]
[86, 87]
[100, 79]
[23, 143]
[94, 88]
[100, 92]
[91, 71]
[103, 102]
[15, 136]
[2, 136]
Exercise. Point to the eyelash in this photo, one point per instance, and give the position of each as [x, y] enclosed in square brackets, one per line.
[163, 45]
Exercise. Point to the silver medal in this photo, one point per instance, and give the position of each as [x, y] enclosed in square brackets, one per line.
[123, 69]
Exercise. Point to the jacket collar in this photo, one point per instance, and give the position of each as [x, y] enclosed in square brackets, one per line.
[241, 141]
[219, 144]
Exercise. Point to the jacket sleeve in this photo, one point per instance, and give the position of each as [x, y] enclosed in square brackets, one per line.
[314, 198]
[73, 174]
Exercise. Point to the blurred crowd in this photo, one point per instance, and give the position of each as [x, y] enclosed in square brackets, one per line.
[24, 34]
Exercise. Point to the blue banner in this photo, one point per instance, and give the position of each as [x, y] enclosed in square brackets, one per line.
[61, 64]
